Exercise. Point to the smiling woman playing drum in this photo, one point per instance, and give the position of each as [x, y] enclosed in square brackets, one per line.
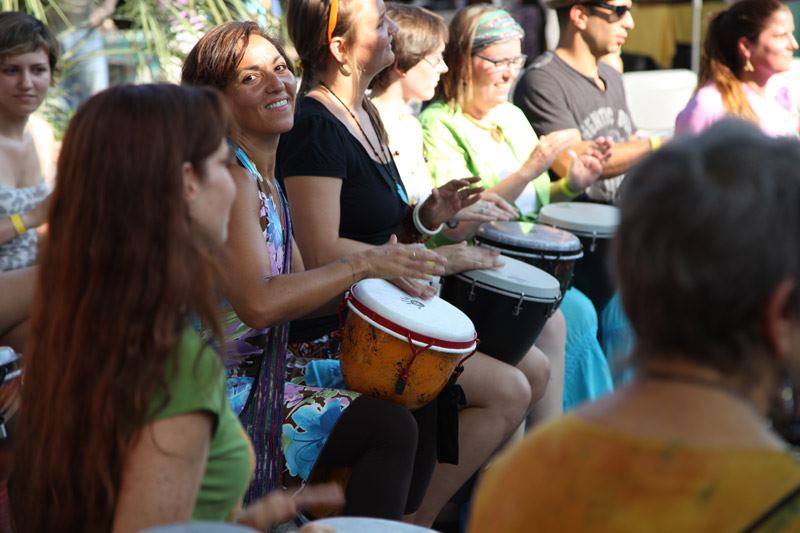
[470, 113]
[267, 285]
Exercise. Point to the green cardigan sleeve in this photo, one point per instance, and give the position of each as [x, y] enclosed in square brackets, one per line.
[446, 152]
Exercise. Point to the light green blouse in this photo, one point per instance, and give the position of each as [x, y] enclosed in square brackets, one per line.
[455, 147]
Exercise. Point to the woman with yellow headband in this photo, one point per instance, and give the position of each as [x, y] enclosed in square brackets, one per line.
[346, 195]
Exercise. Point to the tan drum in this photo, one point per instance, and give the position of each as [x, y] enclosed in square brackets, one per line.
[401, 348]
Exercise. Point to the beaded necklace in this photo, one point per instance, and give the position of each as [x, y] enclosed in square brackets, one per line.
[384, 157]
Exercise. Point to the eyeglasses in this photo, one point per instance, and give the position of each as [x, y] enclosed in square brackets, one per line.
[619, 11]
[436, 62]
[510, 63]
[333, 18]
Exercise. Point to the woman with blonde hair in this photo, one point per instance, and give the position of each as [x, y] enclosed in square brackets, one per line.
[471, 112]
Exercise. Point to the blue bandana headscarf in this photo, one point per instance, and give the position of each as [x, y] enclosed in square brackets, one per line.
[494, 27]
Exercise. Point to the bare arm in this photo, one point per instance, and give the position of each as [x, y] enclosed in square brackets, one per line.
[30, 219]
[316, 214]
[17, 288]
[316, 210]
[163, 472]
[261, 299]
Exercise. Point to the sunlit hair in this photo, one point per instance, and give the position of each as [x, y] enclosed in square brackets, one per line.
[695, 276]
[721, 63]
[455, 85]
[21, 34]
[216, 56]
[307, 22]
[419, 33]
[122, 274]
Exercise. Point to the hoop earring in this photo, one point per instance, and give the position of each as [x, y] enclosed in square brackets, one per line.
[748, 67]
[344, 71]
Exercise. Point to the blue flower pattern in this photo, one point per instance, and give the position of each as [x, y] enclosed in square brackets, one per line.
[303, 445]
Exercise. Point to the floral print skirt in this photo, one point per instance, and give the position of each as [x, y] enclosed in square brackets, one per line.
[314, 399]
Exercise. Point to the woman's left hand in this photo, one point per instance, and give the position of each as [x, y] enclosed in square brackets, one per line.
[586, 168]
[447, 200]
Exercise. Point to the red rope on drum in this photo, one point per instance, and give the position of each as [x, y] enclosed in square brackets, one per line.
[460, 367]
[340, 309]
[402, 380]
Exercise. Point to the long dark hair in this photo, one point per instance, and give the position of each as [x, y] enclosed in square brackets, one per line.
[721, 63]
[122, 273]
[307, 22]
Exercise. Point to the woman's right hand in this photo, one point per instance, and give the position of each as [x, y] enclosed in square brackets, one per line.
[548, 149]
[393, 260]
[490, 207]
[461, 257]
[279, 506]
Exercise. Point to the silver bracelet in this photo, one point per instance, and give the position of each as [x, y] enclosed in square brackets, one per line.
[418, 223]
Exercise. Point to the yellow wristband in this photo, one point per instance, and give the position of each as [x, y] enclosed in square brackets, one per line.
[19, 225]
[563, 186]
[655, 143]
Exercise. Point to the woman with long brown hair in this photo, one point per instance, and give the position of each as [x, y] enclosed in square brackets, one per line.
[124, 421]
[745, 46]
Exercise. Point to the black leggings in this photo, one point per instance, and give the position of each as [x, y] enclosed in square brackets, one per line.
[392, 453]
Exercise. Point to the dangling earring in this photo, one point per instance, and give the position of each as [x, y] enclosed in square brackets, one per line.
[344, 71]
[748, 66]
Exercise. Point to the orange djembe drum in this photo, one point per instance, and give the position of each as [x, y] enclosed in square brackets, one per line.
[401, 348]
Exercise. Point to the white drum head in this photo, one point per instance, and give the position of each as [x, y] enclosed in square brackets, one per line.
[580, 218]
[434, 318]
[529, 235]
[354, 524]
[516, 277]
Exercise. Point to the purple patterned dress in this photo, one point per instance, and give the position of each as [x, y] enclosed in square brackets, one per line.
[255, 359]
[295, 425]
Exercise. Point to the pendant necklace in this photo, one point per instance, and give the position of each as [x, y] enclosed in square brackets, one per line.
[385, 159]
[494, 130]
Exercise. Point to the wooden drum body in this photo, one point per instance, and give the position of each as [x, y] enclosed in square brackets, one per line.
[509, 306]
[401, 348]
[595, 225]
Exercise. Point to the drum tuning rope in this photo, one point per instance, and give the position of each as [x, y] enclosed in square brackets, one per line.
[402, 379]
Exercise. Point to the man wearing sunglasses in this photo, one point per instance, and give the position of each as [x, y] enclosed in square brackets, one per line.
[571, 88]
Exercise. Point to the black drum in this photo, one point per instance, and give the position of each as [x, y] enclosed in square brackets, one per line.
[509, 306]
[595, 226]
[551, 249]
